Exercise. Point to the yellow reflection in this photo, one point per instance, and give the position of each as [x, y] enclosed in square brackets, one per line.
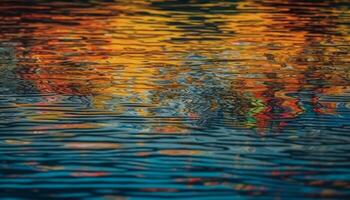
[121, 58]
[180, 152]
[92, 145]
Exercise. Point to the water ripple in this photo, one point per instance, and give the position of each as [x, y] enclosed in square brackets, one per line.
[174, 99]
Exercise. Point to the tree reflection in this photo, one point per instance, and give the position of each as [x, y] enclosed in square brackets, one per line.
[242, 63]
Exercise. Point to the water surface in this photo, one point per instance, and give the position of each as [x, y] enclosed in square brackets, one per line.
[175, 99]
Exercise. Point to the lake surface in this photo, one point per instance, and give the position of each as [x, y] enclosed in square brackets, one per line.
[181, 99]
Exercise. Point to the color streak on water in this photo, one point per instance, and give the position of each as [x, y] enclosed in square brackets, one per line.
[183, 99]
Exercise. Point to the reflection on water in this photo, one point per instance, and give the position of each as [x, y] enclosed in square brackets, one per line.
[157, 99]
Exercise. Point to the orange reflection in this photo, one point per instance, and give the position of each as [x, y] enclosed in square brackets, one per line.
[115, 58]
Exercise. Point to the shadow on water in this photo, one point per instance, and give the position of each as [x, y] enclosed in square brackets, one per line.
[183, 99]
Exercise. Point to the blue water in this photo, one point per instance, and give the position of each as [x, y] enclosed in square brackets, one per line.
[174, 99]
